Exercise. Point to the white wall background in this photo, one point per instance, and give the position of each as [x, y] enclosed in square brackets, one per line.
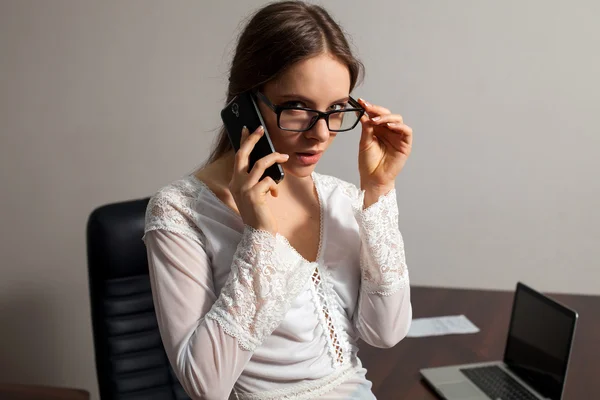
[109, 100]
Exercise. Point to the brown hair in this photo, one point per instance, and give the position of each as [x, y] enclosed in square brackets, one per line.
[276, 37]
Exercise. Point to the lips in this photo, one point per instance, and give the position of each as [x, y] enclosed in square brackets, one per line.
[309, 157]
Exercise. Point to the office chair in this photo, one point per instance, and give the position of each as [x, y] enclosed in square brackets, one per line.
[130, 359]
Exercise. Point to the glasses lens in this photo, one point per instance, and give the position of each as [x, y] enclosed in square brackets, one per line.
[301, 120]
[296, 120]
[343, 120]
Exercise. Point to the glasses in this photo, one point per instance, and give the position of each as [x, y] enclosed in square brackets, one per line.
[301, 119]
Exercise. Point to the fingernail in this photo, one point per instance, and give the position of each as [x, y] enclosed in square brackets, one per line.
[244, 130]
[375, 118]
[286, 156]
[364, 101]
[261, 128]
[392, 124]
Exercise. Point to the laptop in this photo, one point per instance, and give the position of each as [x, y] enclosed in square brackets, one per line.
[535, 361]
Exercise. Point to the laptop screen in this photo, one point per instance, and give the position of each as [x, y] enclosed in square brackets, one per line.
[539, 341]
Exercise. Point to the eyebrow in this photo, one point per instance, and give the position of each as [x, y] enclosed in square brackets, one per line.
[293, 96]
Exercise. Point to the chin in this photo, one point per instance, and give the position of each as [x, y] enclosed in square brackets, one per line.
[300, 171]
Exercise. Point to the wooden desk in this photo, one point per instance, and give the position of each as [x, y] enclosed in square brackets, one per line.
[34, 392]
[395, 372]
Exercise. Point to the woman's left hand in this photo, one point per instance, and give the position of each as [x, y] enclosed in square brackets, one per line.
[385, 145]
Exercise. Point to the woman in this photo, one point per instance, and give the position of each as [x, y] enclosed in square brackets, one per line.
[262, 289]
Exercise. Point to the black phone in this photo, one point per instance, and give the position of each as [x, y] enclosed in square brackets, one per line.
[243, 111]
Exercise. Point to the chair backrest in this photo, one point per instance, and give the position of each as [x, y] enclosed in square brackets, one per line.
[130, 359]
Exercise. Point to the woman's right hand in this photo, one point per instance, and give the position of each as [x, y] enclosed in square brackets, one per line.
[248, 192]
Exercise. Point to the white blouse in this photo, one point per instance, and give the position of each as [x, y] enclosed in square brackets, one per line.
[243, 315]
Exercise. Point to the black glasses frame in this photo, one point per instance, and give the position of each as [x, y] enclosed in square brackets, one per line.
[277, 109]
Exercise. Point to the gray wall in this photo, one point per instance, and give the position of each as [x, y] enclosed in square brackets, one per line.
[106, 101]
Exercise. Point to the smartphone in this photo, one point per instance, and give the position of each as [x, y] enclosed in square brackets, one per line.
[243, 111]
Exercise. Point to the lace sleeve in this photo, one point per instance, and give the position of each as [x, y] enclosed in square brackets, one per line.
[266, 275]
[382, 259]
[173, 209]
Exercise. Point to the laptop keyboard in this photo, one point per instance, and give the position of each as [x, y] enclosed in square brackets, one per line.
[497, 384]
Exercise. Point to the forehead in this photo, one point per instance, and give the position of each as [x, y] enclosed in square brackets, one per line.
[318, 78]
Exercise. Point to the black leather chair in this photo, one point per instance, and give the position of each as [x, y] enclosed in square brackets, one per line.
[130, 359]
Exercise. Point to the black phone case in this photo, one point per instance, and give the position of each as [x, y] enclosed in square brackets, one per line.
[243, 110]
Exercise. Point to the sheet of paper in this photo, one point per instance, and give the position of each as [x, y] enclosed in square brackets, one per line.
[437, 326]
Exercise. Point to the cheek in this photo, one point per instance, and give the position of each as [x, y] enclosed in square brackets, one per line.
[283, 141]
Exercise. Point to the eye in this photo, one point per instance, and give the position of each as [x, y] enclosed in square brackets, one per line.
[339, 106]
[295, 104]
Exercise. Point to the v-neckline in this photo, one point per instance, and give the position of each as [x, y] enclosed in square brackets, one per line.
[321, 215]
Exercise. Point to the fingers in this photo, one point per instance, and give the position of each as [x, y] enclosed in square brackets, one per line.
[387, 119]
[400, 128]
[244, 182]
[261, 166]
[247, 143]
[379, 116]
[405, 130]
[373, 110]
[265, 186]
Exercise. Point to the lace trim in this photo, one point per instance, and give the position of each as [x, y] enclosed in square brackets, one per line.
[173, 208]
[310, 390]
[331, 182]
[337, 312]
[330, 332]
[382, 260]
[197, 236]
[326, 306]
[321, 217]
[265, 277]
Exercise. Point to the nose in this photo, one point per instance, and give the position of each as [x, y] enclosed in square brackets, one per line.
[319, 131]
